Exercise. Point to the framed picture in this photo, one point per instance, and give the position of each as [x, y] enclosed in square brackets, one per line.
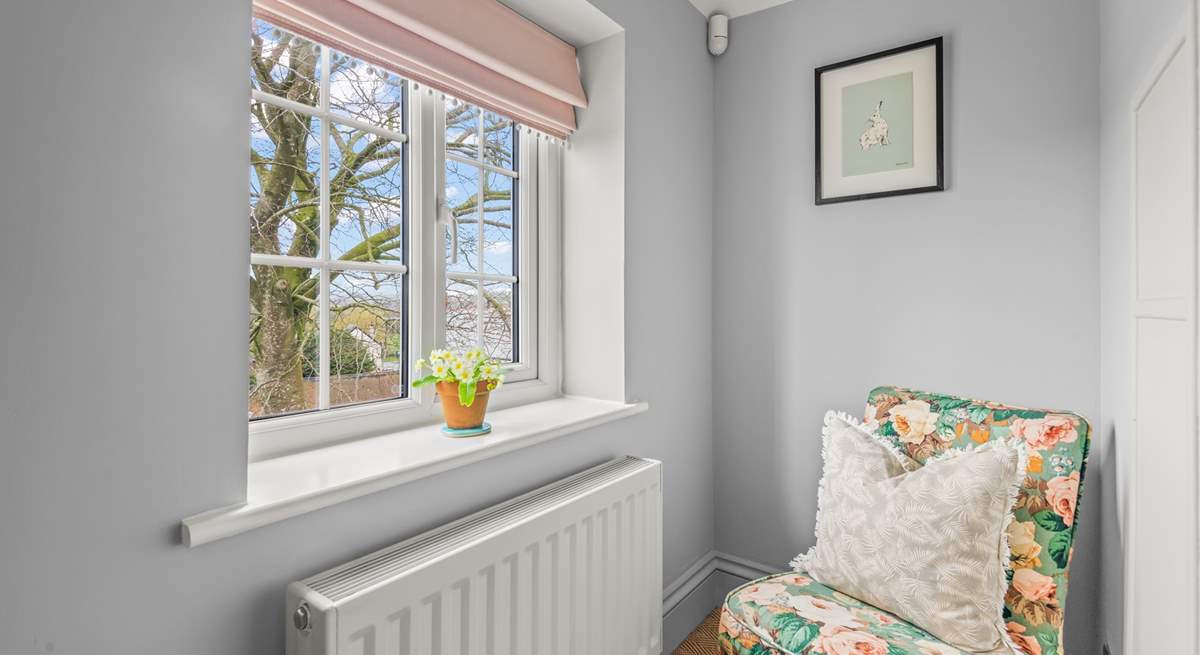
[879, 124]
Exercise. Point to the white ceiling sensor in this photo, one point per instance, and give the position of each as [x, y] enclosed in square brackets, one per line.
[734, 8]
[718, 34]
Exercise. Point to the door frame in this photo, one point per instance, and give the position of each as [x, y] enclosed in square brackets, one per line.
[1184, 38]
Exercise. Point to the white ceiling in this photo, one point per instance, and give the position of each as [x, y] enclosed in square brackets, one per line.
[575, 21]
[579, 23]
[734, 8]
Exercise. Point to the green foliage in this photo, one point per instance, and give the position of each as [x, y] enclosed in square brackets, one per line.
[347, 355]
[1048, 520]
[1049, 642]
[978, 414]
[465, 368]
[794, 633]
[946, 424]
[428, 379]
[1059, 548]
[466, 393]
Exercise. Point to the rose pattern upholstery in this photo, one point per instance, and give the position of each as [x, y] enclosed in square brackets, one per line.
[792, 614]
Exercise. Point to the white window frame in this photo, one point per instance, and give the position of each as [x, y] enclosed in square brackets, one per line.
[537, 377]
[324, 262]
[526, 229]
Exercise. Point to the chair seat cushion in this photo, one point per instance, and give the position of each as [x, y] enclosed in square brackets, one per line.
[792, 614]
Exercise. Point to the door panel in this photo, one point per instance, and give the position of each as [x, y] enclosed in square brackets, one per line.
[1165, 607]
[1164, 170]
[1161, 547]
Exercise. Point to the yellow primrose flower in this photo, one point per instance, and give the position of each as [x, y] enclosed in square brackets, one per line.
[440, 369]
[420, 365]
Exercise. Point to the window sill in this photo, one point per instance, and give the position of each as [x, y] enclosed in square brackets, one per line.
[287, 486]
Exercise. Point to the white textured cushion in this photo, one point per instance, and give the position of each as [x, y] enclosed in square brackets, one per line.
[927, 543]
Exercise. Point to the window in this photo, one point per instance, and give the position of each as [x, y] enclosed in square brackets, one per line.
[481, 197]
[375, 204]
[328, 228]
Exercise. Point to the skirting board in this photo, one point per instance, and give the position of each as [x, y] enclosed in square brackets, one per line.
[700, 588]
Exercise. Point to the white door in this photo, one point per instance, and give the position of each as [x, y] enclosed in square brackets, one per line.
[1161, 544]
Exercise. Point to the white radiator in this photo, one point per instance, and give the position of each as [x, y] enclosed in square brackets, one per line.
[572, 568]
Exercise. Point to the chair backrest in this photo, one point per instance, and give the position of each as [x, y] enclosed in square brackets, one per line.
[1042, 535]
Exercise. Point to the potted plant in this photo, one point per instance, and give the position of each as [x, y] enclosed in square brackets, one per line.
[464, 380]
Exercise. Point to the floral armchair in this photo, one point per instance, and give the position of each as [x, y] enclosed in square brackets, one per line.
[791, 613]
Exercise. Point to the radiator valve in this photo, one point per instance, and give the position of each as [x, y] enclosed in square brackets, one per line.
[302, 618]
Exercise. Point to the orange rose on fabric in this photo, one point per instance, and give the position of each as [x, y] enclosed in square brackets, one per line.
[838, 640]
[1023, 544]
[1035, 463]
[1044, 433]
[1063, 493]
[1025, 642]
[913, 420]
[1033, 585]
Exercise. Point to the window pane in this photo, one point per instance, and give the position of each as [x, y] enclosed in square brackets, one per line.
[498, 250]
[461, 331]
[499, 136]
[284, 344]
[285, 161]
[498, 303]
[284, 64]
[366, 92]
[462, 196]
[366, 337]
[462, 129]
[366, 190]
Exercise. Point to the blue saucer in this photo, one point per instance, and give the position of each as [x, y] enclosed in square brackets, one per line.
[467, 432]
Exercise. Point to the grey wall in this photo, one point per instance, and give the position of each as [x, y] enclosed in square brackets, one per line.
[122, 403]
[1132, 36]
[988, 290]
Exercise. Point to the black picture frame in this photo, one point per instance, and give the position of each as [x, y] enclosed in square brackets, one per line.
[937, 43]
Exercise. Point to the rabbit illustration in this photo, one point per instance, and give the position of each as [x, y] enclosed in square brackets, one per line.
[877, 132]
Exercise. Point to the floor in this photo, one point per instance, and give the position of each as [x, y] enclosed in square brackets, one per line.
[703, 640]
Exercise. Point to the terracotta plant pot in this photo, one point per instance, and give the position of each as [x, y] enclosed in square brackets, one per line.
[459, 416]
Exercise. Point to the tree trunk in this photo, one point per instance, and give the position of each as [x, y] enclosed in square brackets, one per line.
[278, 347]
[279, 360]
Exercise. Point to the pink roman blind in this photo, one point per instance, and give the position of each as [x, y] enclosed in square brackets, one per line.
[477, 50]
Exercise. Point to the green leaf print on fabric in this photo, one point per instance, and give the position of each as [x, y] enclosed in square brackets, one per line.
[1047, 511]
[1048, 520]
[794, 633]
[1060, 549]
[978, 414]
